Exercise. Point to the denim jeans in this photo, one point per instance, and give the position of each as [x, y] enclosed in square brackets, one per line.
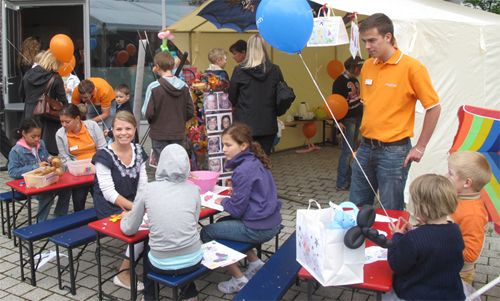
[159, 145]
[80, 197]
[92, 113]
[45, 201]
[351, 132]
[384, 167]
[235, 230]
[187, 291]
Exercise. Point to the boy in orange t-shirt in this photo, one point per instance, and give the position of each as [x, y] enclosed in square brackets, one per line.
[469, 172]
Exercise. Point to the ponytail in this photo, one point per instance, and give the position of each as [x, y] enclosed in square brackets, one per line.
[260, 154]
[26, 126]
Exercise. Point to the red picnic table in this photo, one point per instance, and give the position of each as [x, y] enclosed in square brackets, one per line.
[66, 181]
[109, 228]
[377, 275]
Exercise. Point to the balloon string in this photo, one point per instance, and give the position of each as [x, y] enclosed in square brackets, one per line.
[343, 136]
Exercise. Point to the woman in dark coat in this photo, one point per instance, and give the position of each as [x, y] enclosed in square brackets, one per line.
[33, 85]
[253, 92]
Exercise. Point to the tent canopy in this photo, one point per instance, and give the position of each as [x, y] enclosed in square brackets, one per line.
[458, 45]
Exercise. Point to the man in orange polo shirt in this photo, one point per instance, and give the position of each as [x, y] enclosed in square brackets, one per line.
[391, 82]
[99, 97]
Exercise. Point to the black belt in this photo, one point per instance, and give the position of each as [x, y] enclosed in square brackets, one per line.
[377, 143]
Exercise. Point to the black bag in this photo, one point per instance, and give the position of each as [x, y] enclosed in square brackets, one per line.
[284, 95]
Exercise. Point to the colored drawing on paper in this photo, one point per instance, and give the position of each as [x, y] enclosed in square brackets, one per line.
[216, 255]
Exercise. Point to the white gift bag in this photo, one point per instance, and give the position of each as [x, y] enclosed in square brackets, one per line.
[328, 31]
[322, 252]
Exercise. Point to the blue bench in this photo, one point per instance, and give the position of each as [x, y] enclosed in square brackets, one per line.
[178, 281]
[46, 229]
[273, 280]
[6, 197]
[71, 239]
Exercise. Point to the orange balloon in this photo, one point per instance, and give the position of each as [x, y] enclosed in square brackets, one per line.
[131, 49]
[338, 105]
[154, 70]
[335, 69]
[62, 47]
[309, 129]
[66, 68]
[122, 57]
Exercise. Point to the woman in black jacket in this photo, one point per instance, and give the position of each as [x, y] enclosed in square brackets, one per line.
[33, 85]
[253, 92]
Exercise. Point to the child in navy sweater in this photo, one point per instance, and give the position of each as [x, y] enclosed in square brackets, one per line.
[427, 260]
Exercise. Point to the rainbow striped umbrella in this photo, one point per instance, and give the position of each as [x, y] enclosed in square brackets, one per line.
[479, 130]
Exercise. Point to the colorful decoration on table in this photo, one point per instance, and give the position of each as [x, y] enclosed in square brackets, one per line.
[343, 220]
[355, 236]
[114, 218]
[285, 24]
[338, 106]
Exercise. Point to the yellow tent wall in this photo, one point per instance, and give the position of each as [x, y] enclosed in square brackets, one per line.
[198, 36]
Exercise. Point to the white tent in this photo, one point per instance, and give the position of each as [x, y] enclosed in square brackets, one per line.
[460, 47]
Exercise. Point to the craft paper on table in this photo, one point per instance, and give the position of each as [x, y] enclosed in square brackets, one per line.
[216, 255]
[384, 219]
[375, 253]
[208, 200]
[219, 189]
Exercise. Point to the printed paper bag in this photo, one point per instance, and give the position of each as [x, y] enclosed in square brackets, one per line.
[322, 252]
[328, 31]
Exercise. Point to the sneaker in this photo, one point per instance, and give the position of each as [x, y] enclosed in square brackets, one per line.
[250, 273]
[117, 282]
[231, 286]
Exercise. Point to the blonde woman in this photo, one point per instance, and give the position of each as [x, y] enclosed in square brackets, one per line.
[26, 58]
[33, 85]
[253, 92]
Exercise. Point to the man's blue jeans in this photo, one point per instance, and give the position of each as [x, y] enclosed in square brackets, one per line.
[384, 167]
[351, 132]
[92, 113]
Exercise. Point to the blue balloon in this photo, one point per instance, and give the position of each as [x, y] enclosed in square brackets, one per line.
[93, 43]
[93, 29]
[285, 24]
[276, 140]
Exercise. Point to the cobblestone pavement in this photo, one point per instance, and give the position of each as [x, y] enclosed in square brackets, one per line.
[298, 177]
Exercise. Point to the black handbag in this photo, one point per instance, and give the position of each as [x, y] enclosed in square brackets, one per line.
[284, 95]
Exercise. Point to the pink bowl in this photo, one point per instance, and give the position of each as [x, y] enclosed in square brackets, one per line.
[207, 182]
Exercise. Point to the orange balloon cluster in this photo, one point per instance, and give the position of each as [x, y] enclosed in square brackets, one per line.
[309, 129]
[334, 69]
[66, 68]
[338, 105]
[62, 47]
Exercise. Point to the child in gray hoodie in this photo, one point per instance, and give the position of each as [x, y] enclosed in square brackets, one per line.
[173, 208]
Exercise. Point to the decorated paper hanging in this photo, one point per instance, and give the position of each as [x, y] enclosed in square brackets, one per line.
[354, 44]
[328, 30]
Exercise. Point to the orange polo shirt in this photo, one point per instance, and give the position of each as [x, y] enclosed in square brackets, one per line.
[82, 146]
[389, 92]
[104, 94]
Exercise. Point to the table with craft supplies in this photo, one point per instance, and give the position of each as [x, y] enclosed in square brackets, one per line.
[378, 274]
[66, 181]
[112, 228]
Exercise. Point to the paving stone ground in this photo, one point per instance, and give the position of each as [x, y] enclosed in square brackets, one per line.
[298, 178]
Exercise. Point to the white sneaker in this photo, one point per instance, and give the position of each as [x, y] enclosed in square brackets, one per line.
[231, 286]
[249, 273]
[117, 282]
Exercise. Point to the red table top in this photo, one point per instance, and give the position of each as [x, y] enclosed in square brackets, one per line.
[66, 180]
[112, 229]
[377, 275]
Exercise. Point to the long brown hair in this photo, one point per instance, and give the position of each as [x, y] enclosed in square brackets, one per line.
[241, 133]
[29, 49]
